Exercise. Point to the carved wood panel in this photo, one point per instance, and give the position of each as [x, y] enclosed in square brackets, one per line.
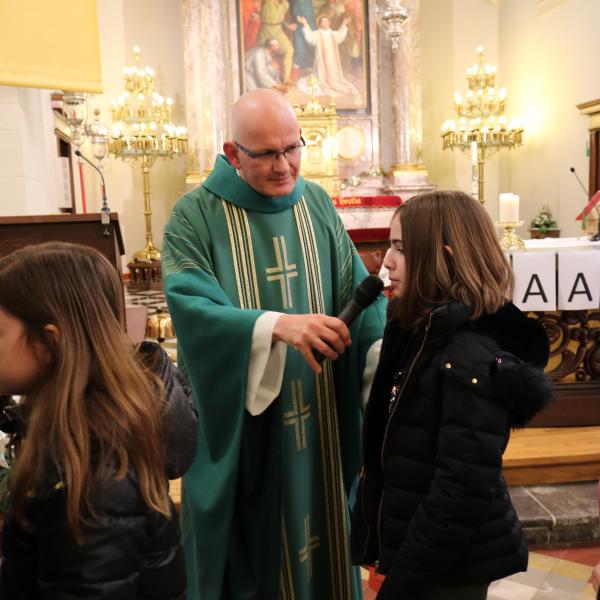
[574, 367]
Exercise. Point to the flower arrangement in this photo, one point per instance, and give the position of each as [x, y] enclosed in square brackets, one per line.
[544, 220]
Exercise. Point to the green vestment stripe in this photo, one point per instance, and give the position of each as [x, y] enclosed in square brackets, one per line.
[287, 584]
[307, 240]
[243, 255]
[330, 442]
[176, 261]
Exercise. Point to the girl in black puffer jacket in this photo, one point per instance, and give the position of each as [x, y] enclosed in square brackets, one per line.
[100, 429]
[459, 367]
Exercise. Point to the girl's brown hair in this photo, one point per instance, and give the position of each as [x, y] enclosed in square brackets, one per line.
[452, 254]
[96, 413]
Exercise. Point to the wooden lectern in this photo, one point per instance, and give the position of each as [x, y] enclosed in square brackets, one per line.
[16, 232]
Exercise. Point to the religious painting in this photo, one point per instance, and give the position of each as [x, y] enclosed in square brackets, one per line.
[307, 48]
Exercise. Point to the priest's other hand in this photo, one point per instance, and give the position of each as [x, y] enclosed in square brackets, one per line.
[306, 333]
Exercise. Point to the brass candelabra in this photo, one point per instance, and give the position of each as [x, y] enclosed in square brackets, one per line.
[481, 128]
[143, 130]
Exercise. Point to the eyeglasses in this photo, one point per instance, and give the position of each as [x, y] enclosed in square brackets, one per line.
[273, 155]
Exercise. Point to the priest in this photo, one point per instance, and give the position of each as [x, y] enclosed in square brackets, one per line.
[256, 263]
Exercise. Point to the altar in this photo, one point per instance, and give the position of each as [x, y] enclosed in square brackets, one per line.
[558, 282]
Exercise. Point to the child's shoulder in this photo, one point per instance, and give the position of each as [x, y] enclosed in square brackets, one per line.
[467, 346]
[477, 362]
[469, 356]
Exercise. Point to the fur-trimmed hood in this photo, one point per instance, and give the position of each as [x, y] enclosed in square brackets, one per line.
[524, 389]
[506, 352]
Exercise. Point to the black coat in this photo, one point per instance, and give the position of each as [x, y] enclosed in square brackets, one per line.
[432, 505]
[131, 552]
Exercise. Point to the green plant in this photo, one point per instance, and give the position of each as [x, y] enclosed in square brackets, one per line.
[544, 220]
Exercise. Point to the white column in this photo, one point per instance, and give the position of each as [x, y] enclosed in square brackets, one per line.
[408, 176]
[406, 93]
[27, 153]
[211, 68]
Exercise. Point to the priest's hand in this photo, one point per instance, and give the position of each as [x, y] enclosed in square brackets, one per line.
[307, 333]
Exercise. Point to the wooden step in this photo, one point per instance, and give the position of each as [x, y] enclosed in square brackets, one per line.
[553, 455]
[536, 456]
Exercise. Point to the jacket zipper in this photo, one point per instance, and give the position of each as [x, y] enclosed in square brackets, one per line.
[387, 427]
[363, 477]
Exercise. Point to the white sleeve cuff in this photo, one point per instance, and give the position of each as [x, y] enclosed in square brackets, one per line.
[369, 372]
[266, 365]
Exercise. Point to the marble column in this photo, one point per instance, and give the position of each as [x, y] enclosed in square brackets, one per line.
[407, 127]
[211, 79]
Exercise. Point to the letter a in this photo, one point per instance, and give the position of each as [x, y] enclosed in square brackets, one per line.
[535, 278]
[585, 291]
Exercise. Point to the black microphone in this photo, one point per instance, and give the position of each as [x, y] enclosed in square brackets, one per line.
[104, 211]
[364, 295]
[596, 236]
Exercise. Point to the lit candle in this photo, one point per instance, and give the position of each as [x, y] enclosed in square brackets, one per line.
[509, 208]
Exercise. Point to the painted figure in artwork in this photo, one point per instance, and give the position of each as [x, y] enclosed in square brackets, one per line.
[351, 57]
[304, 53]
[274, 25]
[328, 66]
[250, 21]
[262, 67]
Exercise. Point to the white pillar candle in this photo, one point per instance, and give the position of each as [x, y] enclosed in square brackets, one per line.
[474, 184]
[509, 208]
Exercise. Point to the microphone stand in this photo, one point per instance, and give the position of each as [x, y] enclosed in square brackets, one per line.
[595, 237]
[104, 211]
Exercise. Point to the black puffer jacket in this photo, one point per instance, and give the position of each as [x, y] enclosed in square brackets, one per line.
[432, 506]
[132, 552]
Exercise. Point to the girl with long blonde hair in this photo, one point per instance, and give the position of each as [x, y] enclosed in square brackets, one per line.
[89, 512]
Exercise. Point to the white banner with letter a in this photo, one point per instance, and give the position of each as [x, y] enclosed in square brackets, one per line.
[579, 281]
[535, 280]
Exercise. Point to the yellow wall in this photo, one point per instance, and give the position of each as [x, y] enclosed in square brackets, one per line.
[451, 32]
[550, 61]
[547, 58]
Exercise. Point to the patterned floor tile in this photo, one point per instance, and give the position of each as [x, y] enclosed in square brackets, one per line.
[511, 590]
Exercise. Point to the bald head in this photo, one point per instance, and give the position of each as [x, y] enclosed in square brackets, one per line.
[261, 110]
[266, 145]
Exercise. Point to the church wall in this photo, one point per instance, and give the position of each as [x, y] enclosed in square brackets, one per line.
[437, 54]
[549, 57]
[451, 32]
[546, 54]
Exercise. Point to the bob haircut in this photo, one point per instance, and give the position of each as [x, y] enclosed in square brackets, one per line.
[452, 254]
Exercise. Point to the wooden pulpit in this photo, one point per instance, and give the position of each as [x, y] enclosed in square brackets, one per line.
[16, 232]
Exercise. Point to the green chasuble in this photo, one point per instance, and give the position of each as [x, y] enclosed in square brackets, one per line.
[264, 506]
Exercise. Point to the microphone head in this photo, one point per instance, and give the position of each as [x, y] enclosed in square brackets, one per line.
[572, 169]
[368, 290]
[77, 153]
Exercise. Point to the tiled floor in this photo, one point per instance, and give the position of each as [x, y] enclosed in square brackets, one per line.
[560, 574]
